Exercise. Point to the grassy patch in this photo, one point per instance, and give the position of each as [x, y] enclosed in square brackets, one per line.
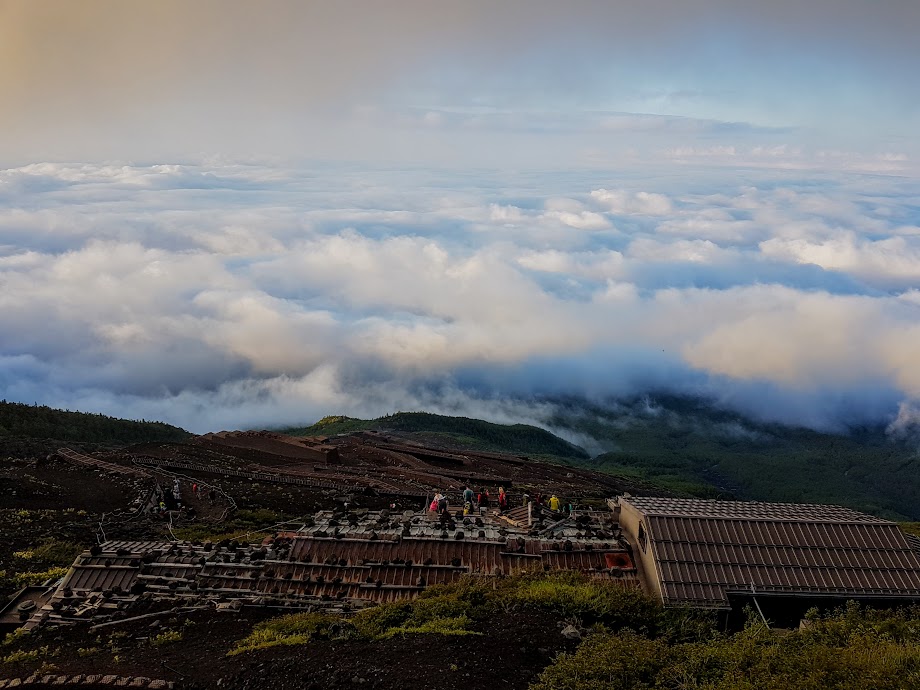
[49, 560]
[51, 552]
[295, 629]
[15, 636]
[243, 523]
[458, 625]
[166, 637]
[31, 578]
[466, 607]
[24, 655]
[573, 596]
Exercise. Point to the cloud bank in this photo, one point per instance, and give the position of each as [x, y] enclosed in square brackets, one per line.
[222, 295]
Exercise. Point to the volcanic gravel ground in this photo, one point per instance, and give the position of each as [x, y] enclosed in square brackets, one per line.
[511, 652]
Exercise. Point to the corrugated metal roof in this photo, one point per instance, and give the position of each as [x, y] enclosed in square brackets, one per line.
[747, 510]
[774, 548]
[351, 559]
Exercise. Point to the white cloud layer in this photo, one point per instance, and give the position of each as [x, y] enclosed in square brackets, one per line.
[224, 295]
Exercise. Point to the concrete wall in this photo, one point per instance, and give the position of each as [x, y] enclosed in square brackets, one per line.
[630, 521]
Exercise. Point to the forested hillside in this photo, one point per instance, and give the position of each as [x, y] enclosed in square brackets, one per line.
[472, 433]
[691, 446]
[39, 422]
[688, 444]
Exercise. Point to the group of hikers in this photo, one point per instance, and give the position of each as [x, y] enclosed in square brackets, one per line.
[481, 501]
[171, 500]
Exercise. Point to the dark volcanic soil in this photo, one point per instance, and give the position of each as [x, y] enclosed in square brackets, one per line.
[510, 653]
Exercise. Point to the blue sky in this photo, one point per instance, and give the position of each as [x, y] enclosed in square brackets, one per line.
[225, 214]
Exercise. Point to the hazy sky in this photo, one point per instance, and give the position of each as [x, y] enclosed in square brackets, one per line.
[232, 213]
[519, 81]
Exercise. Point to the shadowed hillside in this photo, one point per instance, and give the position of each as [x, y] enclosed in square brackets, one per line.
[684, 442]
[39, 422]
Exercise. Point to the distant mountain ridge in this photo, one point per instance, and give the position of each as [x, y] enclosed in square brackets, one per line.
[18, 420]
[520, 439]
[683, 444]
[692, 446]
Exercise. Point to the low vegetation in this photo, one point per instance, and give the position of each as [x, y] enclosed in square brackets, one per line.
[851, 649]
[166, 637]
[295, 629]
[467, 607]
[631, 641]
[241, 524]
[48, 560]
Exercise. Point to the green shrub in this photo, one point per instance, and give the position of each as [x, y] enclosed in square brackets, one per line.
[30, 578]
[851, 649]
[22, 655]
[571, 596]
[441, 615]
[294, 629]
[166, 637]
[373, 623]
[16, 635]
[51, 552]
[459, 625]
[611, 662]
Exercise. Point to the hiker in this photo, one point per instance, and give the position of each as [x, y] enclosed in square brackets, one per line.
[483, 498]
[435, 502]
[526, 499]
[442, 505]
[195, 490]
[467, 500]
[554, 503]
[502, 499]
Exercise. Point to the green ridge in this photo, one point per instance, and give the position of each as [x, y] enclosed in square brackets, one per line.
[520, 439]
[18, 420]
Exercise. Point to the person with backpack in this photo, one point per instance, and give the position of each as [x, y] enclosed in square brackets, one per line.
[554, 503]
[442, 505]
[467, 500]
[483, 499]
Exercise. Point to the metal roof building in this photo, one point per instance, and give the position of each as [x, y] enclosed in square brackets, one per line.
[702, 552]
[339, 561]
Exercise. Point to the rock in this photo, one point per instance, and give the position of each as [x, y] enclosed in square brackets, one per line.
[570, 632]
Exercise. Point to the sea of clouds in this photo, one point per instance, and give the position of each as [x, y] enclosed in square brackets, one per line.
[227, 295]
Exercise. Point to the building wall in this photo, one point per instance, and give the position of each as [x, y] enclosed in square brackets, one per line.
[630, 521]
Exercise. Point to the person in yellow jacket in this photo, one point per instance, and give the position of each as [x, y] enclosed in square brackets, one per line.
[554, 503]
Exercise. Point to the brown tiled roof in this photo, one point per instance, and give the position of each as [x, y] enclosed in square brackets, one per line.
[748, 510]
[705, 550]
